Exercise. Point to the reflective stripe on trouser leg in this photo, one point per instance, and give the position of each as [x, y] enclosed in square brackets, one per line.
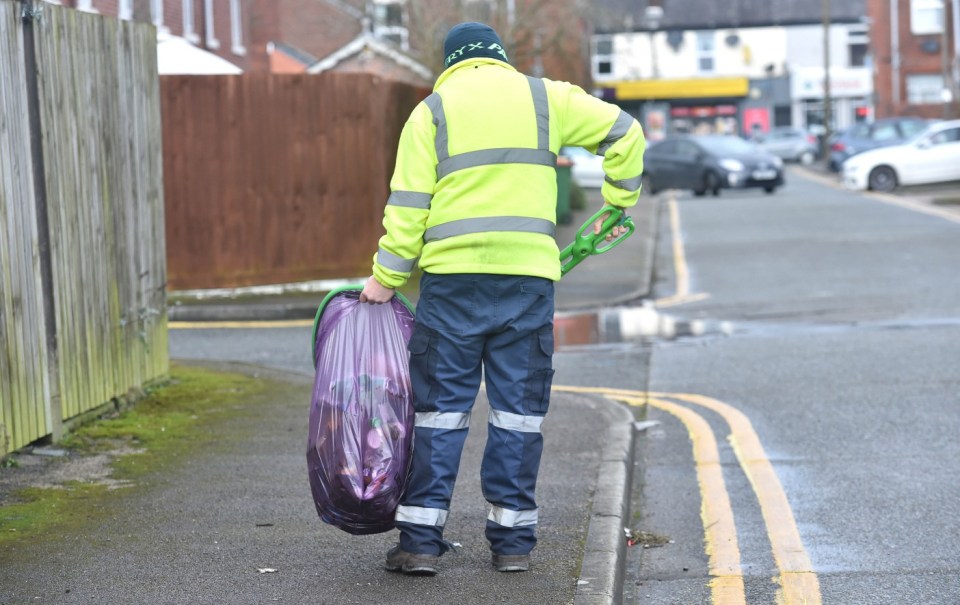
[518, 371]
[445, 377]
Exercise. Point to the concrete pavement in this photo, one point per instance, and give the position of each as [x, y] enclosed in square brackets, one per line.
[203, 531]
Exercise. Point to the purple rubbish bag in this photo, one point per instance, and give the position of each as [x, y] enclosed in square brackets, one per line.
[361, 416]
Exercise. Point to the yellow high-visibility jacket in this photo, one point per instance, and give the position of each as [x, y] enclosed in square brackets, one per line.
[474, 189]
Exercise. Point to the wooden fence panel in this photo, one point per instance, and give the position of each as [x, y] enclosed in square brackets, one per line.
[277, 178]
[24, 411]
[99, 111]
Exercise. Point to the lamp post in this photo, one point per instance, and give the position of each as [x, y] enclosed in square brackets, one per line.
[827, 105]
[652, 15]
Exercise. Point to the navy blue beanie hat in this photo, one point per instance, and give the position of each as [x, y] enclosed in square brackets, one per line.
[472, 40]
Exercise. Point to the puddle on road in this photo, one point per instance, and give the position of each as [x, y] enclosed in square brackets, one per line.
[627, 324]
[643, 324]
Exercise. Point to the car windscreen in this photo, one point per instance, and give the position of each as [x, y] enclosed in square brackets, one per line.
[726, 145]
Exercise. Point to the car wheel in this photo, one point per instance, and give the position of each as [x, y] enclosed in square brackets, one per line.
[770, 189]
[882, 178]
[711, 183]
[806, 158]
[646, 185]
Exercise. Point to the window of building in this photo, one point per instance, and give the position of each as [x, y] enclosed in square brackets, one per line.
[236, 29]
[858, 55]
[388, 14]
[125, 10]
[210, 31]
[189, 26]
[858, 40]
[705, 49]
[388, 22]
[924, 89]
[926, 16]
[782, 115]
[602, 57]
[86, 6]
[156, 13]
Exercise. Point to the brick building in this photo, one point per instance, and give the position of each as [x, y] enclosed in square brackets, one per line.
[914, 46]
[290, 36]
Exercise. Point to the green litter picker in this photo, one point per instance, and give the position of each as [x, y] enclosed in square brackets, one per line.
[587, 243]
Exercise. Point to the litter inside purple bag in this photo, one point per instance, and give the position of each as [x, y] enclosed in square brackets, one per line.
[361, 416]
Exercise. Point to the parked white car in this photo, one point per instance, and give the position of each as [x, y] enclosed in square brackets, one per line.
[933, 156]
[587, 168]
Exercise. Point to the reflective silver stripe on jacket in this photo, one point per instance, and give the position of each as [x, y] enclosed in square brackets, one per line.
[541, 156]
[410, 199]
[490, 223]
[515, 422]
[512, 518]
[617, 132]
[418, 515]
[393, 262]
[435, 104]
[541, 106]
[632, 184]
[488, 157]
[442, 420]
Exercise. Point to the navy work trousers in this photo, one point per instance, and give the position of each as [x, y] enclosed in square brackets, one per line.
[467, 326]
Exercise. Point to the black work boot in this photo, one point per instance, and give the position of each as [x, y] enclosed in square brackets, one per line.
[410, 563]
[511, 562]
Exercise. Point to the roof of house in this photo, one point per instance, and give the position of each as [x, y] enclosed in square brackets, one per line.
[177, 56]
[627, 15]
[368, 42]
[294, 53]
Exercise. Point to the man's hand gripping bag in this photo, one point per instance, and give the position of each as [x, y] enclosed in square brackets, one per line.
[361, 417]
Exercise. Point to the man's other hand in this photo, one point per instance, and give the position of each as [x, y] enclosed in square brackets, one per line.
[375, 293]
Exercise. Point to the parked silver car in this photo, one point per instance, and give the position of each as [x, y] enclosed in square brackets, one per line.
[789, 144]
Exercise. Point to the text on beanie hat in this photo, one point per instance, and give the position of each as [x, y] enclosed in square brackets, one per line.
[471, 40]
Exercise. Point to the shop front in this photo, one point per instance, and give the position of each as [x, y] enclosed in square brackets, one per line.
[688, 106]
[851, 91]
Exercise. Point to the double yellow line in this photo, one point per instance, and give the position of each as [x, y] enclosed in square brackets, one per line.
[796, 578]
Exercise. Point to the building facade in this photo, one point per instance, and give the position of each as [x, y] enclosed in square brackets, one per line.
[219, 26]
[701, 66]
[916, 53]
[290, 36]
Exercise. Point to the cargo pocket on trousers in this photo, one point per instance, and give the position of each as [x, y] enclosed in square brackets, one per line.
[537, 396]
[423, 368]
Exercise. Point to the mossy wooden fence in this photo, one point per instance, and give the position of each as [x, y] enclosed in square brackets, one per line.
[82, 252]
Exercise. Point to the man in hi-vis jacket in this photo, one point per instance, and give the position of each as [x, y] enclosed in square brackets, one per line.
[474, 197]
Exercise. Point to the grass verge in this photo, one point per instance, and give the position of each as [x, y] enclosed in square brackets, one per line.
[169, 423]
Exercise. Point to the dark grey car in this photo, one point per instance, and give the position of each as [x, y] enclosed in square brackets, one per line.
[708, 164]
[872, 135]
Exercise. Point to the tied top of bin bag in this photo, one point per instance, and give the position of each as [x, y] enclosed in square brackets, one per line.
[361, 416]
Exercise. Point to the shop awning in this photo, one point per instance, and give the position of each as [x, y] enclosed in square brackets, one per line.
[695, 88]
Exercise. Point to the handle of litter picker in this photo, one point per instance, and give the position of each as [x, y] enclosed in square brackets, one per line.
[587, 242]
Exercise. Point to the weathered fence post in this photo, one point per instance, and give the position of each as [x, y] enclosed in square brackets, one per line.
[31, 12]
[82, 289]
